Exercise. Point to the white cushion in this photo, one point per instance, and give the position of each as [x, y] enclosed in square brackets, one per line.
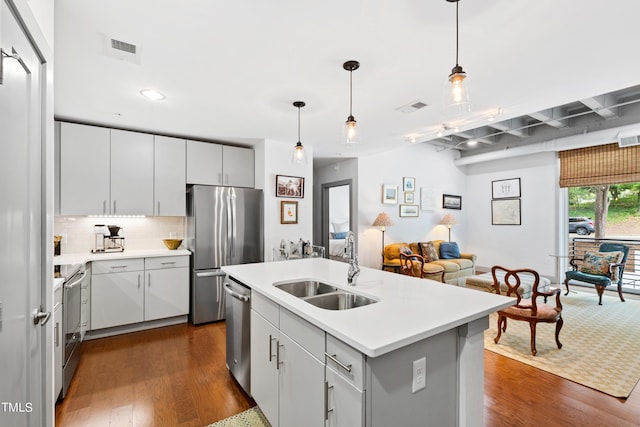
[341, 227]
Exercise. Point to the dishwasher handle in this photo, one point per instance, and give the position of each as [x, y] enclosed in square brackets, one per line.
[227, 289]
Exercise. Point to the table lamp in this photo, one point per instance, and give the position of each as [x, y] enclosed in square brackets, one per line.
[382, 221]
[449, 220]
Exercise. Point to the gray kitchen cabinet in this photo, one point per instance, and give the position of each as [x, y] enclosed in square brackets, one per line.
[131, 173]
[105, 171]
[85, 174]
[57, 342]
[344, 376]
[169, 176]
[283, 365]
[133, 290]
[215, 164]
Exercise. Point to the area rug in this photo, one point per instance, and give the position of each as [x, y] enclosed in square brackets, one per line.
[600, 344]
[252, 417]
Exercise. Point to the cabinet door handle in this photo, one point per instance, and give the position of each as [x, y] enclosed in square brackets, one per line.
[226, 178]
[114, 207]
[339, 363]
[168, 263]
[138, 280]
[149, 280]
[57, 328]
[326, 400]
[278, 362]
[104, 206]
[158, 209]
[271, 348]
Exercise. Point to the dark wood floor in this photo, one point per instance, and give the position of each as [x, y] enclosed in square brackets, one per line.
[176, 376]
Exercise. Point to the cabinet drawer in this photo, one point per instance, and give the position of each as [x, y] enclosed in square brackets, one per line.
[266, 308]
[308, 336]
[351, 358]
[117, 265]
[157, 263]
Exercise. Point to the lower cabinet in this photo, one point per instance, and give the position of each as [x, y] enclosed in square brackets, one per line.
[345, 403]
[286, 379]
[125, 292]
[57, 342]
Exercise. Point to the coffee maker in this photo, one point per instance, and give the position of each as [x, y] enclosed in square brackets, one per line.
[108, 238]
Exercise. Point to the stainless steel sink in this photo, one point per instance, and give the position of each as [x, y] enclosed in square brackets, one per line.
[323, 295]
[340, 301]
[305, 288]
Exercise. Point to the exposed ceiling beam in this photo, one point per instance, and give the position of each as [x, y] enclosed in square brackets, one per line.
[551, 117]
[512, 126]
[483, 134]
[601, 105]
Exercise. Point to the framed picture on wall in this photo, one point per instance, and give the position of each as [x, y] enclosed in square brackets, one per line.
[449, 201]
[288, 212]
[408, 197]
[409, 210]
[389, 194]
[408, 184]
[505, 212]
[505, 188]
[289, 186]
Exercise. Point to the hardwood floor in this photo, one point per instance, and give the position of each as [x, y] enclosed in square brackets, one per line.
[176, 376]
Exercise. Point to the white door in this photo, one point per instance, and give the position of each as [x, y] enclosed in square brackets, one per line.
[21, 349]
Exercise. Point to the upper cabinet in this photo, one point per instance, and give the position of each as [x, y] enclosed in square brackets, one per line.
[85, 171]
[131, 173]
[214, 164]
[169, 176]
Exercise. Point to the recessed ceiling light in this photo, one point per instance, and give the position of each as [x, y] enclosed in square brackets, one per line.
[152, 94]
[472, 142]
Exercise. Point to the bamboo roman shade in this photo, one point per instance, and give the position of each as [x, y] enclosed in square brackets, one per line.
[598, 165]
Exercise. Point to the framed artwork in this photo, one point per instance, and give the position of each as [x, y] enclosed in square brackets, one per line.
[505, 212]
[449, 201]
[389, 194]
[289, 186]
[505, 188]
[427, 199]
[408, 197]
[409, 210]
[408, 184]
[288, 212]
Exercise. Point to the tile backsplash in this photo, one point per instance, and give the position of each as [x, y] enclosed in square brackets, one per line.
[139, 233]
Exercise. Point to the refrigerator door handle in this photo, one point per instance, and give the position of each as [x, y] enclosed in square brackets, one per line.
[232, 224]
[211, 274]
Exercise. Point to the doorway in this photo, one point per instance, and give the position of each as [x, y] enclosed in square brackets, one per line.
[336, 216]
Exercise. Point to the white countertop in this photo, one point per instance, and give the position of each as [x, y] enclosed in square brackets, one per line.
[409, 309]
[81, 258]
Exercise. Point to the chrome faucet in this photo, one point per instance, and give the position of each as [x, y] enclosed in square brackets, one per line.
[350, 254]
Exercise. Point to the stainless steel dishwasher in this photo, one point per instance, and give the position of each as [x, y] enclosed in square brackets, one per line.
[237, 308]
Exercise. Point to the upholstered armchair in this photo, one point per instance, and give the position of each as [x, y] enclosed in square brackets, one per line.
[601, 269]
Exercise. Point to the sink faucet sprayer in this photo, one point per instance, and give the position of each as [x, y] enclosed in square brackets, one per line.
[350, 254]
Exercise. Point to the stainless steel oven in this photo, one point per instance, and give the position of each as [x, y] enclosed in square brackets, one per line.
[71, 309]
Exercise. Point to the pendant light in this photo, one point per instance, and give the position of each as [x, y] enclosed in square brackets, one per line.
[456, 92]
[299, 154]
[351, 134]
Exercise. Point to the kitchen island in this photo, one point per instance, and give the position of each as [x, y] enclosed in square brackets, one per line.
[413, 358]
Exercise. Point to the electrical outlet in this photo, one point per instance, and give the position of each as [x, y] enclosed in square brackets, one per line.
[419, 375]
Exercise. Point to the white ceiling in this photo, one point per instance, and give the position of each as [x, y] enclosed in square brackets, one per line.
[231, 69]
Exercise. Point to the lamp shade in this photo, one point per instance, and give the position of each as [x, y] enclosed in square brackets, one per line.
[449, 220]
[382, 220]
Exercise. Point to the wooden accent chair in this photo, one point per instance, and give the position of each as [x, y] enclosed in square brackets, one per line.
[526, 310]
[600, 272]
[414, 265]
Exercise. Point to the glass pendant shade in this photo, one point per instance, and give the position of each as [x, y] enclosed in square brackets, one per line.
[299, 154]
[351, 133]
[456, 100]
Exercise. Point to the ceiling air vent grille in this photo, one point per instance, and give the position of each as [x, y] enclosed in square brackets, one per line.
[412, 107]
[123, 46]
[628, 141]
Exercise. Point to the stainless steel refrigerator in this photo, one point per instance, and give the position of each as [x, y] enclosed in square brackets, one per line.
[224, 227]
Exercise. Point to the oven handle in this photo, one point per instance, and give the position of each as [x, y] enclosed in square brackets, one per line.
[75, 282]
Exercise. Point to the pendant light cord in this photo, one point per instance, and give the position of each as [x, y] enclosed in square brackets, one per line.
[350, 93]
[298, 124]
[457, 4]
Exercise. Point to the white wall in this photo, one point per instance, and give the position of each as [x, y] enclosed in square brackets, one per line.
[525, 246]
[43, 13]
[277, 158]
[430, 168]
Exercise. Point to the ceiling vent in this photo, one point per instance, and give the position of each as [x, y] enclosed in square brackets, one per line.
[116, 47]
[412, 107]
[628, 141]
